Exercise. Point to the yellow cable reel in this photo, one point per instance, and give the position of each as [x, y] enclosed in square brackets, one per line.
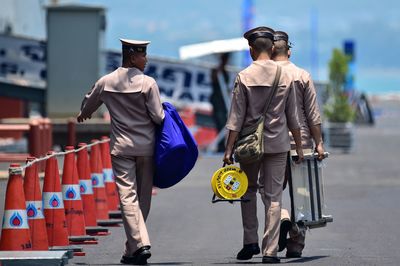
[229, 182]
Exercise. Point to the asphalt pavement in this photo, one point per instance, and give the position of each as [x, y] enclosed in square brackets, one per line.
[362, 192]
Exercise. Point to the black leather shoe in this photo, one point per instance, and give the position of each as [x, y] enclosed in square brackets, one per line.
[285, 227]
[270, 260]
[139, 257]
[248, 251]
[293, 254]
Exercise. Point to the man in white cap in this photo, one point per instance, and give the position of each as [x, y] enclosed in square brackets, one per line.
[310, 121]
[133, 100]
[253, 88]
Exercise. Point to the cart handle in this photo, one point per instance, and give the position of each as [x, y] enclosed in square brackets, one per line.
[309, 156]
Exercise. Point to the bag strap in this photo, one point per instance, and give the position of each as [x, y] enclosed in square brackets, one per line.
[274, 86]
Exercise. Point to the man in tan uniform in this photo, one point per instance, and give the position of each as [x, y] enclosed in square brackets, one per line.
[252, 88]
[310, 122]
[133, 100]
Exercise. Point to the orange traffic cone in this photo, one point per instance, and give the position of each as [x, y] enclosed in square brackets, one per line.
[111, 187]
[72, 196]
[86, 189]
[99, 190]
[34, 207]
[73, 203]
[15, 234]
[53, 205]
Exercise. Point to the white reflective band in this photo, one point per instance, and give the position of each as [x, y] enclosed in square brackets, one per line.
[15, 219]
[86, 187]
[34, 209]
[108, 175]
[97, 180]
[53, 200]
[71, 192]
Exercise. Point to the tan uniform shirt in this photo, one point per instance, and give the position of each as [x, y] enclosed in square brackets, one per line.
[306, 99]
[253, 86]
[133, 100]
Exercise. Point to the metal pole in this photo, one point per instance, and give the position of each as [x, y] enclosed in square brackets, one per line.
[314, 42]
[317, 186]
[290, 184]
[311, 190]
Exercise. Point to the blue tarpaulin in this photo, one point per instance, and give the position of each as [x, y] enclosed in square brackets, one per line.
[175, 151]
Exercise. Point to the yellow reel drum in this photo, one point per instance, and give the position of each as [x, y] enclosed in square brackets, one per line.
[229, 182]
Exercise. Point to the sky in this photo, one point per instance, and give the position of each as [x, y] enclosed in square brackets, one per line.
[373, 25]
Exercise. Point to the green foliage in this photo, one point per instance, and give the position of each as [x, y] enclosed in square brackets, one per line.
[338, 68]
[337, 108]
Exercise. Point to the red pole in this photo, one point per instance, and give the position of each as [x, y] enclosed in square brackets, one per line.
[42, 143]
[45, 139]
[71, 132]
[42, 138]
[34, 138]
[48, 129]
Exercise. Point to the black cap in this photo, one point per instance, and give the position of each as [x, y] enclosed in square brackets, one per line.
[282, 36]
[259, 32]
[134, 45]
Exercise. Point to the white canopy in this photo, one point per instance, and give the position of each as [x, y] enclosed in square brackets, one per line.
[213, 47]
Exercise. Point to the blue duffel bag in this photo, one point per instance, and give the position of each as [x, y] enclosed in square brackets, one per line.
[176, 150]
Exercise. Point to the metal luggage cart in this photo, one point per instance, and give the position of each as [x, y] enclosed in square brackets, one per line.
[306, 190]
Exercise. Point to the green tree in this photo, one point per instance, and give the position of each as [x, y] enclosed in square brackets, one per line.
[337, 108]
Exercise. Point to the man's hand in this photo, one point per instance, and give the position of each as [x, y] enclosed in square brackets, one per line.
[317, 136]
[320, 150]
[228, 157]
[300, 155]
[80, 118]
[232, 136]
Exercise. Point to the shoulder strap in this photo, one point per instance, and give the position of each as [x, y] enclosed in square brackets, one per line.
[274, 86]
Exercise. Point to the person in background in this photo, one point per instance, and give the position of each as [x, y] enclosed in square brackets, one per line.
[253, 86]
[219, 74]
[133, 100]
[310, 122]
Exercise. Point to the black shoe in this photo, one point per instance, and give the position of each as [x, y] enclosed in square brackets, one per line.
[285, 227]
[248, 251]
[270, 260]
[293, 254]
[139, 257]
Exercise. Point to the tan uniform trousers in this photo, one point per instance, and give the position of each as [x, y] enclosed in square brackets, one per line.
[272, 166]
[134, 179]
